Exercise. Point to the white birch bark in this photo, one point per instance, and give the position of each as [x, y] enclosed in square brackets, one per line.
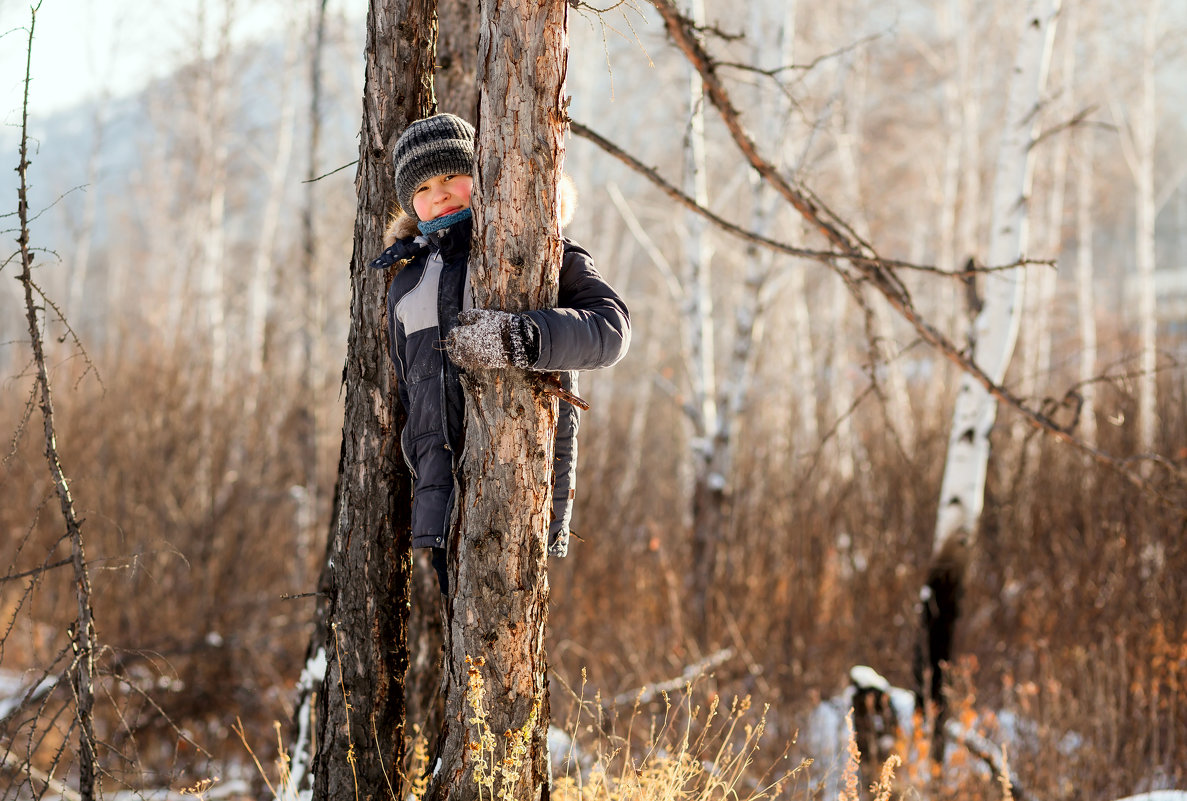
[700, 252]
[82, 248]
[843, 445]
[840, 393]
[960, 185]
[996, 328]
[259, 289]
[967, 231]
[1141, 157]
[1085, 294]
[635, 429]
[707, 484]
[214, 143]
[884, 349]
[804, 357]
[1041, 280]
[172, 318]
[773, 47]
[948, 15]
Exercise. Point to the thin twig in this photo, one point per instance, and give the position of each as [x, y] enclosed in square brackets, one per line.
[83, 666]
[825, 256]
[331, 172]
[879, 272]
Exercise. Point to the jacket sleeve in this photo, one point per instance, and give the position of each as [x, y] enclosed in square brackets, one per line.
[396, 344]
[590, 326]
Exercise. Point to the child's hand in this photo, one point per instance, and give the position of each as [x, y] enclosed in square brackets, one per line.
[487, 339]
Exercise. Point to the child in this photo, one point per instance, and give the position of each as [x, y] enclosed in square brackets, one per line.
[435, 332]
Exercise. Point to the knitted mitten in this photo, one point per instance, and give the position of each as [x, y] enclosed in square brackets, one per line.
[486, 339]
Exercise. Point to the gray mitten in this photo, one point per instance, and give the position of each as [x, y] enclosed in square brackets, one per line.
[487, 339]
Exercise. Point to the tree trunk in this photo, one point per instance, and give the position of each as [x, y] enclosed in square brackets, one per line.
[305, 425]
[1085, 290]
[996, 331]
[496, 697]
[457, 57]
[360, 648]
[1142, 163]
[708, 484]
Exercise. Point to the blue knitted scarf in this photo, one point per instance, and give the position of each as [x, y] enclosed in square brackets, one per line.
[429, 226]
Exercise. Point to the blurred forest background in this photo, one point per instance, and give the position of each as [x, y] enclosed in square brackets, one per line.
[199, 410]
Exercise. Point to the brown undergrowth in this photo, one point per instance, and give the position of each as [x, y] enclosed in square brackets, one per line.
[1073, 637]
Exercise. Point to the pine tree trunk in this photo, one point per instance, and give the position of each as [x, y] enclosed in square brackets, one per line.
[498, 572]
[359, 650]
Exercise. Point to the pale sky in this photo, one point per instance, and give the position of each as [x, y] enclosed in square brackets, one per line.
[83, 47]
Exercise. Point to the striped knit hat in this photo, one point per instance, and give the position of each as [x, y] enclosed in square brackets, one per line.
[439, 145]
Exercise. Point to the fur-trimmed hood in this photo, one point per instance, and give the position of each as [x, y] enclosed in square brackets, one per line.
[403, 225]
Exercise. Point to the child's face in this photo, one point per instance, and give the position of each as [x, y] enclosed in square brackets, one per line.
[441, 195]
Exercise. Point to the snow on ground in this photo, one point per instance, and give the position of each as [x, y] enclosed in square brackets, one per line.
[826, 737]
[15, 687]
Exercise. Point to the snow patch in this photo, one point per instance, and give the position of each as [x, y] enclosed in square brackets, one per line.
[314, 670]
[13, 691]
[866, 678]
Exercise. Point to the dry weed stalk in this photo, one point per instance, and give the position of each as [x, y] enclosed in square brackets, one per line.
[850, 784]
[885, 786]
[489, 766]
[707, 755]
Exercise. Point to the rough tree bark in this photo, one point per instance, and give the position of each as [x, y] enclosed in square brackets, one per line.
[456, 91]
[358, 656]
[497, 554]
[962, 491]
[457, 50]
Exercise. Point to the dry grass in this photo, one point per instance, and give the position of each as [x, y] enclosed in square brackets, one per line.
[1073, 628]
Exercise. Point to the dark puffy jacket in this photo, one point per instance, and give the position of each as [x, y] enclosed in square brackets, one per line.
[589, 328]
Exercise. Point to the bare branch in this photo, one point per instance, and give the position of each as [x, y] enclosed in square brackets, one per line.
[774, 72]
[826, 256]
[1077, 121]
[331, 172]
[91, 367]
[83, 637]
[878, 272]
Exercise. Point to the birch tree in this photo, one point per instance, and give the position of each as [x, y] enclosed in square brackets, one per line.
[1138, 141]
[303, 353]
[1085, 290]
[774, 44]
[1084, 151]
[496, 697]
[995, 332]
[708, 481]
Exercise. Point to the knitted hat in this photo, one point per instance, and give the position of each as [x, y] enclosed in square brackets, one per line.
[439, 145]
